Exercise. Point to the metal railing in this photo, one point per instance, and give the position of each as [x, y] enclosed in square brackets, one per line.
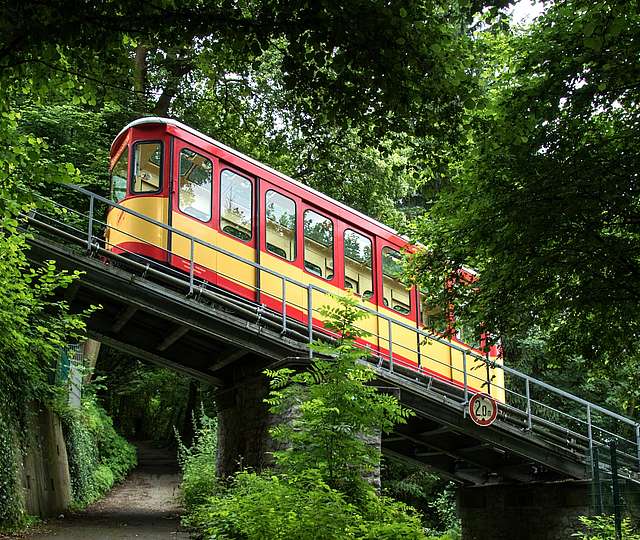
[572, 424]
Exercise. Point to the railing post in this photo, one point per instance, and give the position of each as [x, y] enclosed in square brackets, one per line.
[487, 363]
[390, 346]
[617, 504]
[284, 305]
[191, 267]
[90, 227]
[310, 317]
[597, 484]
[464, 377]
[638, 444]
[590, 434]
[527, 389]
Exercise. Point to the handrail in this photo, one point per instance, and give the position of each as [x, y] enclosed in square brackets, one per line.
[274, 273]
[529, 382]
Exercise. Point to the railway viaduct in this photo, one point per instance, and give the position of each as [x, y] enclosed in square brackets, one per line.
[528, 475]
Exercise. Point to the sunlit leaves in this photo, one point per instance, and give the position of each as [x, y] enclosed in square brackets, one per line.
[545, 198]
[332, 408]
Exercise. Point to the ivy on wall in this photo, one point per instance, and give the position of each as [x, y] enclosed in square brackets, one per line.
[33, 329]
[98, 456]
[12, 512]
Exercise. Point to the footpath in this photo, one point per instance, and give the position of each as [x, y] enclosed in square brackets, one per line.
[144, 507]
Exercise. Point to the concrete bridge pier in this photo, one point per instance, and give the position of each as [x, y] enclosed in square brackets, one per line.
[536, 511]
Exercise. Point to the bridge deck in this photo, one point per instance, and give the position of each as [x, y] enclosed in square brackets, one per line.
[158, 315]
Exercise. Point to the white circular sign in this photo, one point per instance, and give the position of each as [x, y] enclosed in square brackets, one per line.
[483, 409]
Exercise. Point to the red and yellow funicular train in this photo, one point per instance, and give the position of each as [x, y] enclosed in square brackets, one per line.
[172, 173]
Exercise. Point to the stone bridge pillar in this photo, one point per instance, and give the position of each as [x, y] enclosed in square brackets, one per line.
[536, 511]
[244, 421]
[243, 426]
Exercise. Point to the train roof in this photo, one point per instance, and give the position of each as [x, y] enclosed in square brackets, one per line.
[176, 123]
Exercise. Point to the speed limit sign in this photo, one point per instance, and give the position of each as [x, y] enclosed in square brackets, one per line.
[483, 409]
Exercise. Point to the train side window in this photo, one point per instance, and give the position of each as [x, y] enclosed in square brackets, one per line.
[467, 334]
[281, 225]
[147, 167]
[236, 205]
[395, 294]
[195, 185]
[318, 244]
[358, 263]
[432, 317]
[119, 175]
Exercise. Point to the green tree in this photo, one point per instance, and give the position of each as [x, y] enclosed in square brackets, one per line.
[335, 409]
[317, 490]
[544, 197]
[402, 65]
[34, 327]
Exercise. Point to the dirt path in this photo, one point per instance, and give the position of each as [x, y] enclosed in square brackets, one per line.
[143, 507]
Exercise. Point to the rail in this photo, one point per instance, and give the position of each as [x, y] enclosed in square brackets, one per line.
[567, 421]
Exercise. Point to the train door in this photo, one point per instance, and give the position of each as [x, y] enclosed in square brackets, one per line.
[360, 270]
[237, 234]
[192, 211]
[437, 357]
[280, 250]
[398, 305]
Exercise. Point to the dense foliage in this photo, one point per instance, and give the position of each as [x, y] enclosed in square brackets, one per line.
[334, 415]
[603, 528]
[98, 456]
[12, 513]
[544, 195]
[34, 326]
[318, 488]
[264, 506]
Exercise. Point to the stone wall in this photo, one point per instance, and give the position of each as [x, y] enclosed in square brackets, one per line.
[539, 511]
[45, 471]
[243, 422]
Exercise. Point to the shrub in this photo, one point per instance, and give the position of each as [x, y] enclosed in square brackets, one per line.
[265, 507]
[98, 456]
[114, 450]
[198, 462]
[103, 478]
[603, 528]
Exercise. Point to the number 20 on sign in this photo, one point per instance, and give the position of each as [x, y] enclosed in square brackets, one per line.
[483, 409]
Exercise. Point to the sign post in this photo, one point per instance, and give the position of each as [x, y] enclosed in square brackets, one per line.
[483, 409]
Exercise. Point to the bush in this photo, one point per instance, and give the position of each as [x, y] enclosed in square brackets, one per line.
[98, 456]
[103, 478]
[198, 462]
[433, 497]
[114, 450]
[265, 507]
[603, 528]
[12, 514]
